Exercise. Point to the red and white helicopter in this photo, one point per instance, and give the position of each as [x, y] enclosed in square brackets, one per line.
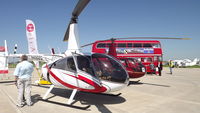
[95, 73]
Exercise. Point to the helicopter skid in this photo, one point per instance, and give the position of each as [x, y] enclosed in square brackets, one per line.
[108, 94]
[66, 105]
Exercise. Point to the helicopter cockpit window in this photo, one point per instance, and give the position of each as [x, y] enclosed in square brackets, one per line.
[108, 68]
[59, 64]
[85, 65]
[65, 64]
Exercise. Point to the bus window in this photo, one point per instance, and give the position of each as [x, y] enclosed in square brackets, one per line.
[149, 59]
[147, 45]
[107, 44]
[121, 45]
[137, 45]
[101, 45]
[146, 60]
[156, 45]
[160, 59]
[142, 59]
[139, 59]
[129, 45]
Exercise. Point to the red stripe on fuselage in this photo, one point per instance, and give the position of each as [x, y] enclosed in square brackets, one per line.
[98, 89]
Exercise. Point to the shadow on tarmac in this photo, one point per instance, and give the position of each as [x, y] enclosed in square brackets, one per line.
[85, 98]
[34, 98]
[4, 82]
[141, 83]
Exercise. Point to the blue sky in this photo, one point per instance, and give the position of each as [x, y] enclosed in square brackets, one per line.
[103, 19]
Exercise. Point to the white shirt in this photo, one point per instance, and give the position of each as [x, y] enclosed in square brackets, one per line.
[24, 69]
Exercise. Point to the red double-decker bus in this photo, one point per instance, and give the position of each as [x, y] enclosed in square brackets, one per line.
[149, 52]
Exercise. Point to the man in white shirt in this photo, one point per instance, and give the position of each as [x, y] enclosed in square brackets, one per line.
[23, 73]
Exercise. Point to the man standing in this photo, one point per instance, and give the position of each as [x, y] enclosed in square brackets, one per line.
[170, 66]
[23, 73]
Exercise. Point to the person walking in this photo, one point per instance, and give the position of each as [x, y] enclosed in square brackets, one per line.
[23, 73]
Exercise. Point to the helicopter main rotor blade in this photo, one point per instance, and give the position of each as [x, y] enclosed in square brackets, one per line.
[76, 12]
[113, 39]
[66, 37]
[87, 45]
[79, 7]
[154, 38]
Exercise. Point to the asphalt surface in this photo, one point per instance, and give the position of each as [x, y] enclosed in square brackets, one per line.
[176, 93]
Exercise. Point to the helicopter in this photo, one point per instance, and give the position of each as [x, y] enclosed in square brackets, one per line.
[94, 73]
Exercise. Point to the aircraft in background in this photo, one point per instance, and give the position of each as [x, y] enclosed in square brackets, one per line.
[186, 62]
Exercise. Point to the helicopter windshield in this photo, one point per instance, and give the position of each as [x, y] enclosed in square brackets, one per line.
[107, 68]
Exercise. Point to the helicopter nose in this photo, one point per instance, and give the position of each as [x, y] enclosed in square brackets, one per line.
[109, 69]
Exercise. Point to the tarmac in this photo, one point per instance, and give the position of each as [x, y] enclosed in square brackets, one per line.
[176, 93]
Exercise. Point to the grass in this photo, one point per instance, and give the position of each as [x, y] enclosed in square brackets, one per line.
[195, 66]
[13, 65]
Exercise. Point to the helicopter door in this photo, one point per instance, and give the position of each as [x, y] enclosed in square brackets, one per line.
[71, 66]
[84, 64]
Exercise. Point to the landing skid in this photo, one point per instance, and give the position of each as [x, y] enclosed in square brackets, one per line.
[137, 81]
[133, 82]
[66, 105]
[108, 94]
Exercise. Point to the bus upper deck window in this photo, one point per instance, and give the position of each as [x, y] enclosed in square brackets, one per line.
[108, 44]
[137, 45]
[147, 45]
[156, 45]
[101, 45]
[129, 45]
[121, 45]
